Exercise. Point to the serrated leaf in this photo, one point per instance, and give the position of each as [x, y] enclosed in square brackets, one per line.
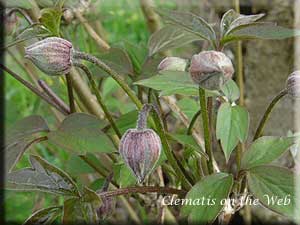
[169, 37]
[265, 150]
[82, 133]
[83, 209]
[42, 176]
[172, 82]
[44, 216]
[216, 186]
[232, 126]
[269, 183]
[51, 18]
[231, 90]
[260, 31]
[190, 23]
[19, 137]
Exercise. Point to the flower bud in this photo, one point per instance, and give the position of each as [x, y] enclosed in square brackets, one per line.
[172, 64]
[10, 22]
[107, 207]
[293, 84]
[52, 55]
[140, 148]
[211, 69]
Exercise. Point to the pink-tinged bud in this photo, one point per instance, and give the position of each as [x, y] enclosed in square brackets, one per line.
[52, 55]
[140, 148]
[172, 64]
[107, 207]
[211, 69]
[293, 84]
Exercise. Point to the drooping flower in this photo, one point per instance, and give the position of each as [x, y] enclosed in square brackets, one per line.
[293, 84]
[52, 55]
[172, 64]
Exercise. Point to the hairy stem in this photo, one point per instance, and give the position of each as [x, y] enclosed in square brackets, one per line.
[99, 98]
[112, 73]
[206, 130]
[32, 88]
[143, 189]
[70, 93]
[267, 113]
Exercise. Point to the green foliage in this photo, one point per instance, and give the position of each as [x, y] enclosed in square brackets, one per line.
[50, 18]
[274, 187]
[81, 133]
[231, 90]
[42, 176]
[207, 196]
[44, 216]
[265, 150]
[232, 126]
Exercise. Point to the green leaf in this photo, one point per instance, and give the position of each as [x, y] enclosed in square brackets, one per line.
[75, 166]
[126, 121]
[227, 19]
[188, 141]
[42, 176]
[117, 59]
[243, 21]
[82, 133]
[44, 216]
[213, 188]
[17, 4]
[270, 184]
[20, 136]
[172, 82]
[190, 23]
[123, 175]
[25, 128]
[260, 31]
[32, 31]
[231, 90]
[83, 209]
[169, 37]
[232, 126]
[189, 106]
[265, 150]
[51, 18]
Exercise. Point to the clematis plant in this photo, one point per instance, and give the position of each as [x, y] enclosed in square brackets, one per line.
[134, 159]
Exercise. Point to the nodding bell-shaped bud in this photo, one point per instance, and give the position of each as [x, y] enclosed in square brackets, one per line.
[293, 84]
[172, 64]
[52, 55]
[211, 69]
[140, 147]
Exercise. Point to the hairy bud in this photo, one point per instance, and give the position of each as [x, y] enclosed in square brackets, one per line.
[140, 148]
[52, 55]
[293, 84]
[172, 64]
[211, 69]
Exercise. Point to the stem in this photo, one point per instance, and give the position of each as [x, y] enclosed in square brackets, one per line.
[143, 189]
[169, 153]
[142, 119]
[53, 96]
[207, 137]
[99, 98]
[268, 112]
[193, 121]
[70, 93]
[32, 88]
[113, 74]
[240, 81]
